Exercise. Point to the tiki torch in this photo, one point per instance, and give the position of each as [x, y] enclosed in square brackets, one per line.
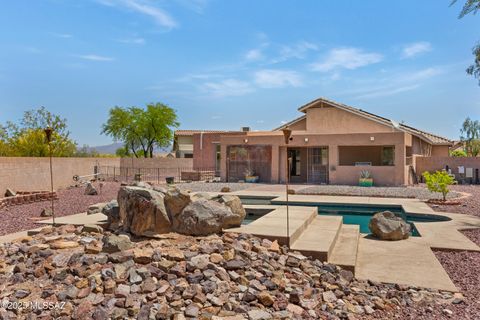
[48, 134]
[287, 133]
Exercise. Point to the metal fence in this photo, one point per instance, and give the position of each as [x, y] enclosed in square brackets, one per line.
[157, 175]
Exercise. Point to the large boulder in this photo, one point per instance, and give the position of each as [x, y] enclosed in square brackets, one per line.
[387, 226]
[142, 211]
[202, 217]
[175, 201]
[235, 205]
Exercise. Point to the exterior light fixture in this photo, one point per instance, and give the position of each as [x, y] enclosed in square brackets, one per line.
[372, 138]
[246, 140]
[306, 140]
[287, 134]
[48, 135]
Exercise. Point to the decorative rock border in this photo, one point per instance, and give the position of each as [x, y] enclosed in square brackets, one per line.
[24, 197]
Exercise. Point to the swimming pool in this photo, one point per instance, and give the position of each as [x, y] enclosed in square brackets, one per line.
[361, 215]
[356, 214]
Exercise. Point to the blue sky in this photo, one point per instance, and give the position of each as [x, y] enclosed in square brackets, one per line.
[227, 64]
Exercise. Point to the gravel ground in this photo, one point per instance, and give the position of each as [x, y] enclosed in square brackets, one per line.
[387, 192]
[469, 205]
[71, 201]
[215, 186]
[462, 267]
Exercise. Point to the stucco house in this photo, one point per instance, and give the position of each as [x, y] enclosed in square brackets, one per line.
[331, 143]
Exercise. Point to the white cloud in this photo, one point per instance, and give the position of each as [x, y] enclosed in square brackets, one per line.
[387, 92]
[139, 41]
[270, 78]
[415, 49]
[197, 6]
[254, 55]
[144, 7]
[397, 83]
[297, 51]
[347, 58]
[228, 87]
[95, 57]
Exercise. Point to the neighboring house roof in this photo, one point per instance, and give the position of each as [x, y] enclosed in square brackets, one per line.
[192, 132]
[429, 137]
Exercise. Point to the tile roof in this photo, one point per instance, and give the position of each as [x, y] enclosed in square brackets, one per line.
[429, 137]
[192, 132]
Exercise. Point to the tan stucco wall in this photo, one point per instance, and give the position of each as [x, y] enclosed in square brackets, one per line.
[432, 164]
[299, 125]
[327, 120]
[440, 151]
[31, 174]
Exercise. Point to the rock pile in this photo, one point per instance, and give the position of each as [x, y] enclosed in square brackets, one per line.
[109, 276]
[147, 211]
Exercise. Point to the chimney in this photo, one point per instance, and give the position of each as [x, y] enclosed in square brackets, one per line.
[245, 129]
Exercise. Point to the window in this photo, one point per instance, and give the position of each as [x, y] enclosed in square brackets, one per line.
[388, 156]
[366, 155]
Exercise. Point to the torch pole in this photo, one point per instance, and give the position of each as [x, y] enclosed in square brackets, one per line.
[51, 183]
[287, 176]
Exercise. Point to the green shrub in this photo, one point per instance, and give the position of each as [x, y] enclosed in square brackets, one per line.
[458, 153]
[439, 182]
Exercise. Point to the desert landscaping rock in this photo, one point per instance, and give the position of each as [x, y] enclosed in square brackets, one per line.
[140, 280]
[175, 201]
[142, 211]
[92, 228]
[113, 243]
[47, 212]
[387, 226]
[202, 217]
[235, 205]
[96, 208]
[10, 193]
[90, 190]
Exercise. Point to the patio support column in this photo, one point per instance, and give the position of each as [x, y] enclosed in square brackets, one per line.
[275, 164]
[332, 162]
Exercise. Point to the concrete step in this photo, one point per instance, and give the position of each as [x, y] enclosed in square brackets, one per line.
[344, 252]
[273, 225]
[319, 238]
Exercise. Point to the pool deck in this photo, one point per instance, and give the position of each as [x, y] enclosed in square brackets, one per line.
[408, 262]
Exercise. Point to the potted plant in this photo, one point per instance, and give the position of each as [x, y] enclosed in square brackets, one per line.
[250, 175]
[366, 179]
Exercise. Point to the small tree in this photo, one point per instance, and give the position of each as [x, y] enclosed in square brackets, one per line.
[26, 137]
[439, 182]
[469, 134]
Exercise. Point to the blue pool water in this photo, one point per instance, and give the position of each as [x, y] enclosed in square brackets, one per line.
[361, 215]
[352, 213]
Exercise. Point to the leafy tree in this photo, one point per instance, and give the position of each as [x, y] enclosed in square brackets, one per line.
[27, 138]
[85, 152]
[439, 182]
[470, 133]
[472, 6]
[458, 153]
[141, 130]
[122, 152]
